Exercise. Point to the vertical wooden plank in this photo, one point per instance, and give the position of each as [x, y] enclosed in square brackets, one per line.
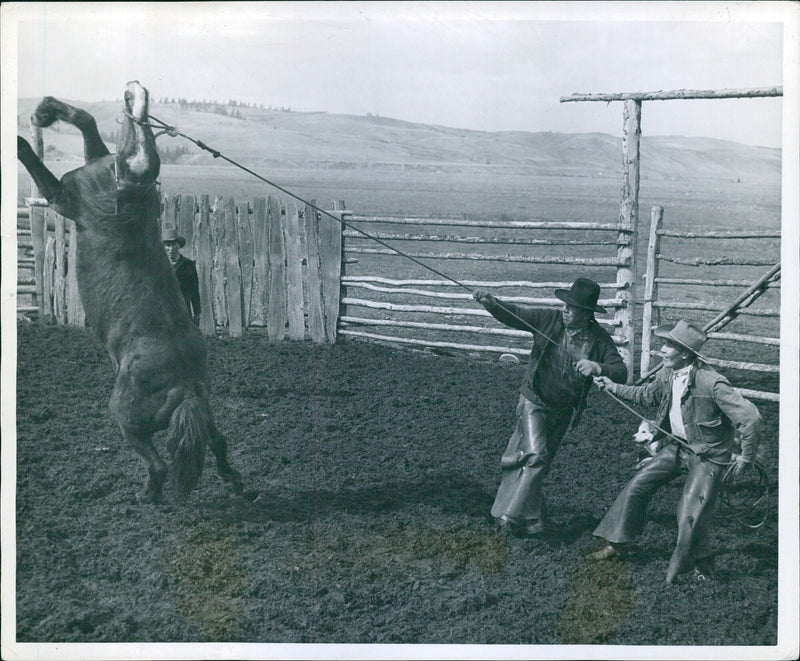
[294, 275]
[169, 211]
[38, 233]
[75, 312]
[204, 250]
[233, 272]
[316, 317]
[276, 308]
[244, 226]
[629, 216]
[60, 276]
[650, 288]
[218, 269]
[330, 259]
[48, 273]
[260, 288]
[185, 223]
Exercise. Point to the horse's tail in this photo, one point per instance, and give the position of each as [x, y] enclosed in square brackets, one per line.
[189, 431]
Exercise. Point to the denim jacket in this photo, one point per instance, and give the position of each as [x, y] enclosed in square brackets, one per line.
[550, 324]
[711, 411]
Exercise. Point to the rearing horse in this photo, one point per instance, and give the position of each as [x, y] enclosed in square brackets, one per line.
[131, 296]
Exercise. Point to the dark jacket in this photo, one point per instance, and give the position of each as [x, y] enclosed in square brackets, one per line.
[711, 410]
[186, 272]
[550, 323]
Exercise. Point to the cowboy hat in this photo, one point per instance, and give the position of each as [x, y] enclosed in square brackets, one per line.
[171, 234]
[688, 336]
[583, 294]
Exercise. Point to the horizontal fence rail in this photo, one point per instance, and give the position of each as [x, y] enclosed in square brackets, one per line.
[384, 301]
[722, 342]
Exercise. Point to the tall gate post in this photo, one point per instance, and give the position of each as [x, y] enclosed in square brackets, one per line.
[629, 218]
[650, 288]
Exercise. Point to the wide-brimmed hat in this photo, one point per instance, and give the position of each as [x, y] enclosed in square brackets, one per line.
[583, 294]
[171, 234]
[688, 336]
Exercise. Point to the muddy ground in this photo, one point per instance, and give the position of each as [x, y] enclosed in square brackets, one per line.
[375, 469]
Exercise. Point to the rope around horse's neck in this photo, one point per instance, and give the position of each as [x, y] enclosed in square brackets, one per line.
[172, 131]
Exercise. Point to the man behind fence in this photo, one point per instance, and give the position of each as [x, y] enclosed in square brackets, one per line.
[698, 406]
[569, 348]
[185, 270]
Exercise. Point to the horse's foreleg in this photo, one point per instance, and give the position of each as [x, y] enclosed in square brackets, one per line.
[45, 181]
[49, 187]
[156, 467]
[51, 109]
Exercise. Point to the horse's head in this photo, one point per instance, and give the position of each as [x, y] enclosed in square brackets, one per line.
[137, 161]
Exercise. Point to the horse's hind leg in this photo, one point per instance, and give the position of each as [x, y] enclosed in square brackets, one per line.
[156, 467]
[219, 446]
[51, 109]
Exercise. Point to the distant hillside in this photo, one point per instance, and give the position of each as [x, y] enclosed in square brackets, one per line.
[260, 137]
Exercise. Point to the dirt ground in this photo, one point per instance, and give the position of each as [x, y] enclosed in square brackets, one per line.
[375, 469]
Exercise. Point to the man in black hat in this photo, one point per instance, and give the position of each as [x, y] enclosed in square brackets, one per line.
[185, 270]
[569, 349]
[698, 406]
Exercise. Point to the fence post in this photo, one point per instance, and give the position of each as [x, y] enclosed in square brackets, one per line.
[233, 272]
[187, 207]
[60, 279]
[276, 308]
[294, 274]
[38, 227]
[48, 271]
[203, 249]
[650, 287]
[258, 296]
[330, 260]
[316, 317]
[75, 312]
[244, 227]
[629, 217]
[218, 271]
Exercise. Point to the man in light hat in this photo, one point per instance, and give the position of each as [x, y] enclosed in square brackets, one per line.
[569, 349]
[185, 270]
[699, 406]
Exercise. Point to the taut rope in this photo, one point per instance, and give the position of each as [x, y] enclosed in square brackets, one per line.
[162, 128]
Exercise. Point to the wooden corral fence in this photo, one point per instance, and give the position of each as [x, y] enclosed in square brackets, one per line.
[262, 265]
[46, 286]
[702, 308]
[412, 308]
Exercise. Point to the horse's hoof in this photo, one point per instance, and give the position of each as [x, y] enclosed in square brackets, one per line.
[45, 114]
[136, 100]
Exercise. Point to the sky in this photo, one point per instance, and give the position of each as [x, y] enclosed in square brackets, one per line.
[483, 66]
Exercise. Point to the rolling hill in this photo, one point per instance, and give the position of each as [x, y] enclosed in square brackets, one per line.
[270, 137]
